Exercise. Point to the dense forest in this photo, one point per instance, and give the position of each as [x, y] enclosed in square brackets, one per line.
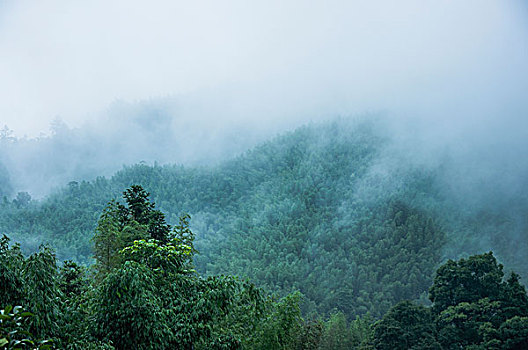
[144, 293]
[332, 224]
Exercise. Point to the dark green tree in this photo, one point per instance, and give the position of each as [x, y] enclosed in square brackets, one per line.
[151, 296]
[469, 324]
[466, 280]
[41, 292]
[120, 225]
[310, 335]
[337, 334]
[138, 204]
[11, 279]
[72, 279]
[282, 328]
[127, 309]
[406, 326]
[14, 333]
[513, 297]
[474, 307]
[108, 238]
[514, 333]
[141, 210]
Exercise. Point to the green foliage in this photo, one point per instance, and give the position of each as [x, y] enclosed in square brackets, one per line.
[337, 334]
[150, 300]
[302, 212]
[318, 210]
[11, 280]
[182, 234]
[469, 323]
[127, 309]
[120, 226]
[141, 210]
[153, 292]
[14, 333]
[310, 335]
[282, 327]
[473, 308]
[165, 258]
[138, 203]
[473, 302]
[31, 282]
[72, 279]
[513, 298]
[41, 292]
[406, 326]
[362, 332]
[514, 333]
[466, 280]
[107, 239]
[173, 257]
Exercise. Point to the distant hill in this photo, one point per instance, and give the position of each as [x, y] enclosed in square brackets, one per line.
[336, 210]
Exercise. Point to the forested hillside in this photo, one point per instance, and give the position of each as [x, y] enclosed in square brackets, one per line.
[144, 293]
[328, 209]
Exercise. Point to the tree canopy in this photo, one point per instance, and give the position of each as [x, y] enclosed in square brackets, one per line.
[473, 308]
[145, 293]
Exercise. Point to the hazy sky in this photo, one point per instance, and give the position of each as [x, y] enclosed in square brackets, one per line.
[266, 61]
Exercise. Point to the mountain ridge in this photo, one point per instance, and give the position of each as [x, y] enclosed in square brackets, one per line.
[328, 209]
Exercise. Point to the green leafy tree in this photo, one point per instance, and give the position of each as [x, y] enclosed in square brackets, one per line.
[513, 297]
[153, 298]
[406, 326]
[282, 328]
[466, 280]
[11, 280]
[337, 334]
[474, 307]
[514, 333]
[75, 319]
[468, 324]
[72, 279]
[41, 292]
[141, 210]
[108, 239]
[168, 258]
[363, 332]
[120, 225]
[127, 309]
[310, 336]
[139, 206]
[14, 333]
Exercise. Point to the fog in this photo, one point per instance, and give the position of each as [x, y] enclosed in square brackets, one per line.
[89, 87]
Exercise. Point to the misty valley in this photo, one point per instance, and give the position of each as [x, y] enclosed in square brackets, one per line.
[336, 235]
[263, 175]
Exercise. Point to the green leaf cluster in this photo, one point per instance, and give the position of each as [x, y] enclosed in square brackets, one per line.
[473, 308]
[13, 331]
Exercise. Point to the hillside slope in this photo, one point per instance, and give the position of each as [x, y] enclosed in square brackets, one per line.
[327, 209]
